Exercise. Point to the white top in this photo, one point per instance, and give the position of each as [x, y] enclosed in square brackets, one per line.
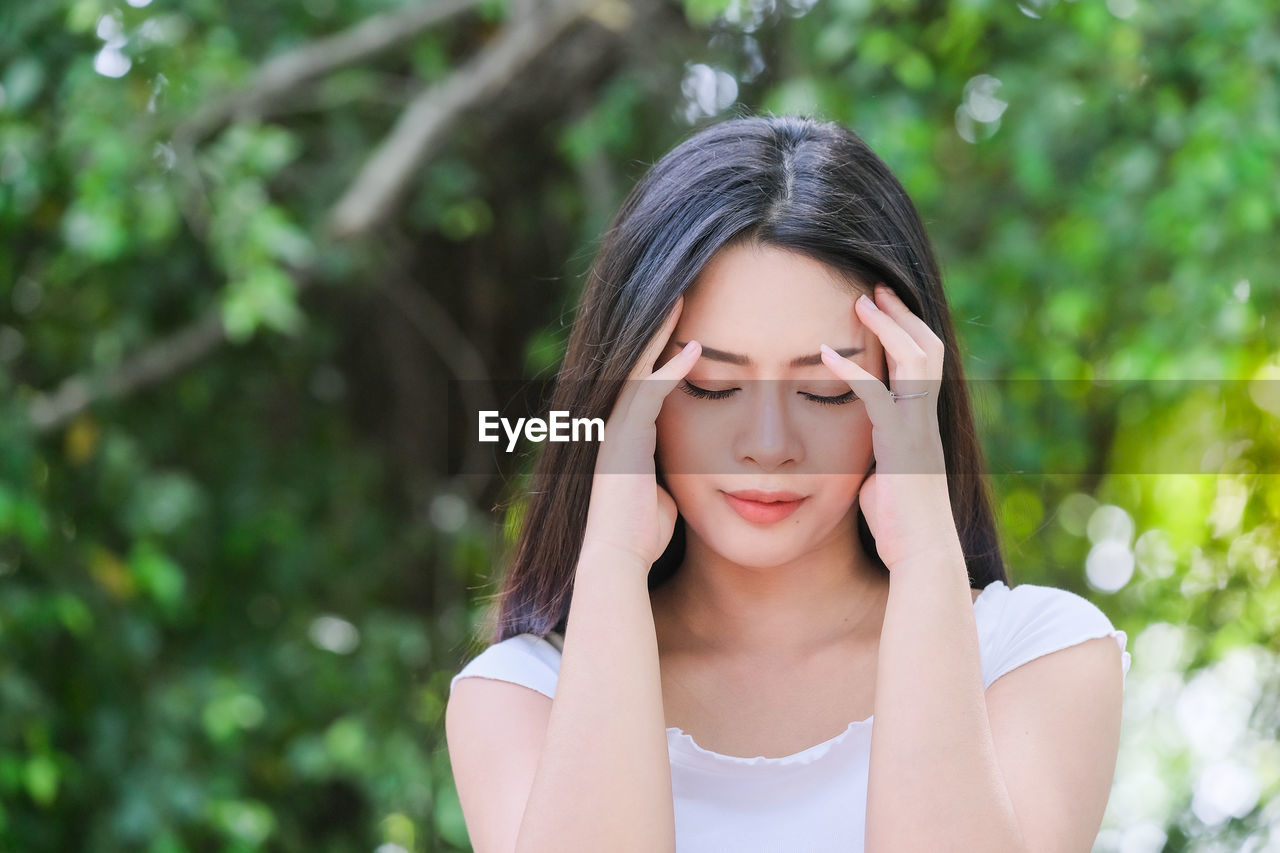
[814, 800]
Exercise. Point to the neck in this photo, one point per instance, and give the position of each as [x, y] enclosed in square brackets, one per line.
[830, 594]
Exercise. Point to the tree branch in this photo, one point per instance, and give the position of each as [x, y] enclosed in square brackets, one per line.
[435, 111]
[373, 194]
[157, 362]
[283, 74]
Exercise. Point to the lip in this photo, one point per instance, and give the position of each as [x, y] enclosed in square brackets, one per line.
[761, 507]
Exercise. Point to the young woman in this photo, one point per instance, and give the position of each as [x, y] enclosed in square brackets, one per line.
[783, 536]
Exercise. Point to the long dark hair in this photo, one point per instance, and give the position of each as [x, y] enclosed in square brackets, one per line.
[794, 183]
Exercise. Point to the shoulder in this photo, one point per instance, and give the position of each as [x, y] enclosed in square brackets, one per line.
[525, 659]
[1022, 623]
[1055, 710]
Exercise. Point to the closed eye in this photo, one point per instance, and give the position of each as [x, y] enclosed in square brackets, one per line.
[708, 394]
[839, 400]
[704, 393]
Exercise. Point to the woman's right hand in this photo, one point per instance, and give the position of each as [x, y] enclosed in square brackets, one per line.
[629, 511]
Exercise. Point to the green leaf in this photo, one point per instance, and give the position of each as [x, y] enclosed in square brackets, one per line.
[157, 575]
[265, 297]
[701, 13]
[247, 821]
[21, 83]
[40, 777]
[914, 70]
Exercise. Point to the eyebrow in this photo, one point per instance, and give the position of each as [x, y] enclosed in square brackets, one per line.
[743, 361]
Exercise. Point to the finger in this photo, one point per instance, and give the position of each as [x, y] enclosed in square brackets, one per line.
[925, 338]
[640, 400]
[652, 391]
[869, 388]
[679, 365]
[643, 368]
[904, 354]
[657, 343]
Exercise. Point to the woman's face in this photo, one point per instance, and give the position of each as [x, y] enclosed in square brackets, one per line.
[760, 314]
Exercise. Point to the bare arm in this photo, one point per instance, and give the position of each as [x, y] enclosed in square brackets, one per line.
[952, 767]
[934, 781]
[595, 776]
[1025, 766]
[587, 771]
[604, 779]
[495, 731]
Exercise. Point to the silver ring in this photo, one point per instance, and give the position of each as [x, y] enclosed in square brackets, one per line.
[893, 396]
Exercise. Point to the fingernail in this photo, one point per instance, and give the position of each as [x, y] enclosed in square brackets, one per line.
[826, 350]
[867, 301]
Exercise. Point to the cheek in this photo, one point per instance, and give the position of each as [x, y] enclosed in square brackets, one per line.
[676, 454]
[840, 443]
[675, 434]
[686, 431]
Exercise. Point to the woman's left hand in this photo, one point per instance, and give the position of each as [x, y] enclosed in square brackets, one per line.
[905, 501]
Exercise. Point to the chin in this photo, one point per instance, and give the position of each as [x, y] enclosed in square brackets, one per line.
[757, 555]
[753, 547]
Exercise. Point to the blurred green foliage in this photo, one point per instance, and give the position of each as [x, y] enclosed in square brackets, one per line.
[233, 588]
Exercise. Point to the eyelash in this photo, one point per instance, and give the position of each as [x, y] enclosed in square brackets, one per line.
[707, 394]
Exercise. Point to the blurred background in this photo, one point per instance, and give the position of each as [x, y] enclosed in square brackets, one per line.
[247, 247]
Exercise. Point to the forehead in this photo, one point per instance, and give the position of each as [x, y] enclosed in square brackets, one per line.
[770, 304]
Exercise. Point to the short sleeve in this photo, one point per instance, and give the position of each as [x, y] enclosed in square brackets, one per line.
[1036, 620]
[525, 659]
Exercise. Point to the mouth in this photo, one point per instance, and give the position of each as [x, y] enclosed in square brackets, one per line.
[761, 507]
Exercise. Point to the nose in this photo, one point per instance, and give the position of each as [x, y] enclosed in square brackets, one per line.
[766, 435]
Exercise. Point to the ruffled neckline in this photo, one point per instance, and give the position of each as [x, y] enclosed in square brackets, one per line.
[680, 742]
